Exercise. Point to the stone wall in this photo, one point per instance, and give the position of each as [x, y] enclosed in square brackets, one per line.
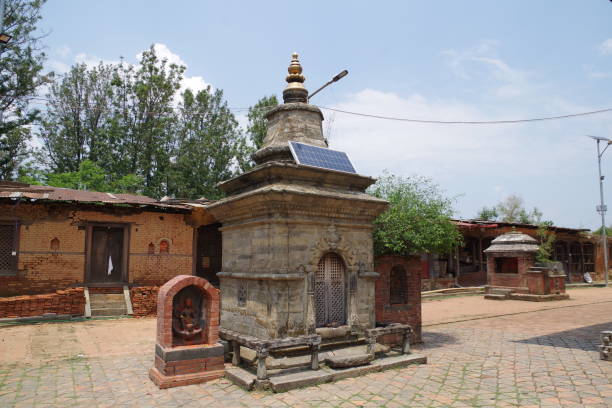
[408, 312]
[51, 253]
[269, 266]
[62, 302]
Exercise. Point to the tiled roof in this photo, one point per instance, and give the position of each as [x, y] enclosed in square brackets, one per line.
[14, 191]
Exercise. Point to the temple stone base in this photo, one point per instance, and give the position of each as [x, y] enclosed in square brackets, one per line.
[289, 380]
[187, 365]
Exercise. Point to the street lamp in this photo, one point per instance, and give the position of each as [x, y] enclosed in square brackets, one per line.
[601, 208]
[334, 79]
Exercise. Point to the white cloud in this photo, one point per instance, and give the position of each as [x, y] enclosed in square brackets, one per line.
[63, 51]
[482, 64]
[605, 48]
[550, 164]
[195, 83]
[92, 60]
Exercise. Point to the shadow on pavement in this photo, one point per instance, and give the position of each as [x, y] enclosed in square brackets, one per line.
[437, 339]
[583, 338]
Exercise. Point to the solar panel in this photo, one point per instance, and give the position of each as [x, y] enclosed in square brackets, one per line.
[324, 158]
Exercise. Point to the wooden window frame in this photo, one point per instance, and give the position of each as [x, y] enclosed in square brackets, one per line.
[126, 251]
[16, 238]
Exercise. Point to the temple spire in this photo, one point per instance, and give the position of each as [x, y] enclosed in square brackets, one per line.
[295, 91]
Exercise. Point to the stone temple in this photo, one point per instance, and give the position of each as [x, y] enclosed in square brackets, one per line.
[297, 240]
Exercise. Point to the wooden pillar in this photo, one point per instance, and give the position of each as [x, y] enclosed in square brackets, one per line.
[480, 257]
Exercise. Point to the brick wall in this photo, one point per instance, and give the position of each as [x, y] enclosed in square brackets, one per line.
[409, 312]
[144, 300]
[44, 266]
[69, 301]
[515, 280]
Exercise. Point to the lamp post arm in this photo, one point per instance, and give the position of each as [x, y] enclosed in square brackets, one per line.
[318, 90]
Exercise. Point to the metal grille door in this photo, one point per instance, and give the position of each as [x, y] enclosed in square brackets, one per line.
[7, 248]
[330, 292]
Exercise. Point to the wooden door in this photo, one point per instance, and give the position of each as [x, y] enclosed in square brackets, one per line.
[208, 254]
[106, 260]
[330, 298]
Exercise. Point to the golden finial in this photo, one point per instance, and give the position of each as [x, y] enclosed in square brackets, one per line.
[295, 70]
[295, 91]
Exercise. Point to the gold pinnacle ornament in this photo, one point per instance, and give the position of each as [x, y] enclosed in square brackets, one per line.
[295, 91]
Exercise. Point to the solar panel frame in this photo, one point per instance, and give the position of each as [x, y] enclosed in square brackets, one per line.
[320, 157]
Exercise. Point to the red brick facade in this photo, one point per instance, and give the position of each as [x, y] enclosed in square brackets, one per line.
[52, 252]
[515, 280]
[409, 310]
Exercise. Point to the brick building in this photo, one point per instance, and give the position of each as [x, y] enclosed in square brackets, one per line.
[55, 238]
[576, 249]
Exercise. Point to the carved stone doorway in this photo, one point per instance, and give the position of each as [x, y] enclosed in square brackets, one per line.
[330, 291]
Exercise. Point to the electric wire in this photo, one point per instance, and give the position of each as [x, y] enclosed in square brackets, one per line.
[41, 100]
[470, 122]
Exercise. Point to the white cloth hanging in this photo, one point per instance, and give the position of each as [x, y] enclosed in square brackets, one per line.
[110, 265]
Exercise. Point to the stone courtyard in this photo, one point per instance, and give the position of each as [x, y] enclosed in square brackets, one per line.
[514, 354]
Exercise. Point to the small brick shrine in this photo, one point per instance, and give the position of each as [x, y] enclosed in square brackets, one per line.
[512, 272]
[398, 293]
[188, 349]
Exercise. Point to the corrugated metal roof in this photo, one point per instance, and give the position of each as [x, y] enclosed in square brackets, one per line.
[14, 191]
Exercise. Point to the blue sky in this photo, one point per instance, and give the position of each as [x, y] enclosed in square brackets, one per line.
[448, 60]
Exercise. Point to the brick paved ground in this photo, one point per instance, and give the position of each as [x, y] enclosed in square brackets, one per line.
[544, 358]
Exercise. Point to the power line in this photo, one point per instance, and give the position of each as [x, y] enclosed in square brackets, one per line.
[41, 100]
[470, 122]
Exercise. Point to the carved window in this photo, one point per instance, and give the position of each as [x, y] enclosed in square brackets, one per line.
[151, 249]
[9, 234]
[398, 286]
[329, 291]
[242, 294]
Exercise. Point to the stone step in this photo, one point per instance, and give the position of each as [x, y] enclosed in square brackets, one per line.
[106, 297]
[109, 311]
[496, 296]
[111, 305]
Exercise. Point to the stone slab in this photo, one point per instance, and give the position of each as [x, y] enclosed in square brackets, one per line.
[538, 298]
[241, 377]
[164, 381]
[309, 378]
[188, 352]
[352, 360]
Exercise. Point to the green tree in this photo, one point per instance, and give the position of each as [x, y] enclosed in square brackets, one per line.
[487, 214]
[257, 125]
[75, 125]
[90, 177]
[13, 151]
[20, 76]
[207, 147]
[512, 209]
[547, 240]
[417, 220]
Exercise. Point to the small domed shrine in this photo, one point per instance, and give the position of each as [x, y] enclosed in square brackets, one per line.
[512, 272]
